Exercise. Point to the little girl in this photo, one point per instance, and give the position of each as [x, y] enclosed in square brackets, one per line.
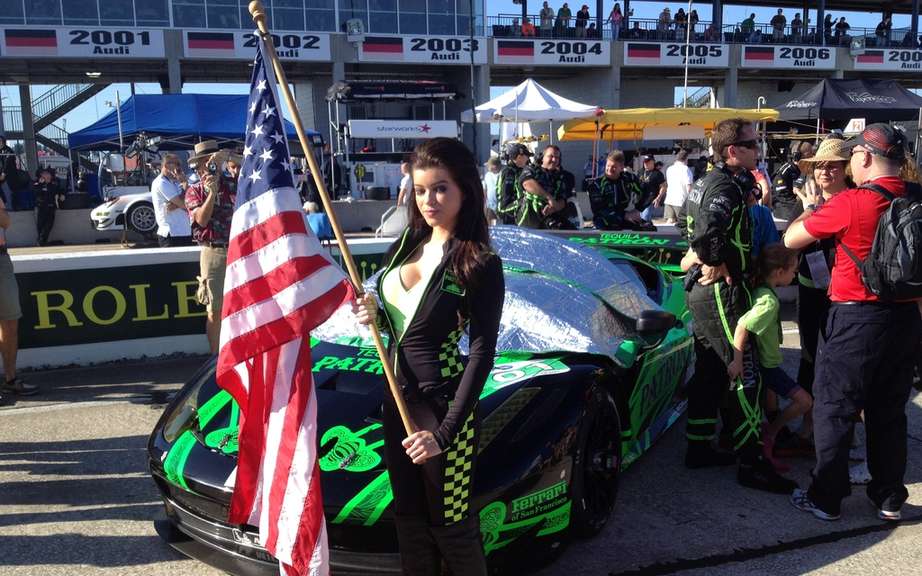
[775, 266]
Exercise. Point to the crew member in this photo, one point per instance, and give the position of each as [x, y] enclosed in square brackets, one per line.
[8, 172]
[614, 195]
[509, 189]
[544, 202]
[442, 280]
[653, 183]
[47, 197]
[720, 237]
[210, 202]
[785, 203]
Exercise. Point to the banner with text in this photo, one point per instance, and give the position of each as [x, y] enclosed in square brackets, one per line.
[552, 52]
[81, 43]
[889, 59]
[675, 55]
[788, 57]
[423, 49]
[241, 45]
[421, 129]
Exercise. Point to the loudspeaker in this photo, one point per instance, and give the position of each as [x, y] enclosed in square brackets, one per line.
[857, 46]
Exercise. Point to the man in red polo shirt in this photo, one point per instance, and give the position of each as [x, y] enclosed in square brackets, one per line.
[866, 360]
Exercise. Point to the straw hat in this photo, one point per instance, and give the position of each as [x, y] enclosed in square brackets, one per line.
[830, 150]
[203, 150]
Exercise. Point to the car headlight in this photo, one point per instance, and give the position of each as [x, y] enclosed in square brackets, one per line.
[185, 416]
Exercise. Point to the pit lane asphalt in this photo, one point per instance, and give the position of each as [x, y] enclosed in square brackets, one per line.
[76, 499]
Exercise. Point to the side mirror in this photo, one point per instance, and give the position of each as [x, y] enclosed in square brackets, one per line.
[653, 324]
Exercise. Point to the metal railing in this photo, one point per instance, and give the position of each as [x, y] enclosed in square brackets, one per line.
[56, 97]
[654, 30]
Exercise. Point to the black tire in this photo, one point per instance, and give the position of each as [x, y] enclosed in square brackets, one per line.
[141, 219]
[596, 464]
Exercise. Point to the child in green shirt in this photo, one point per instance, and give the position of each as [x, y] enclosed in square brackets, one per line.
[775, 266]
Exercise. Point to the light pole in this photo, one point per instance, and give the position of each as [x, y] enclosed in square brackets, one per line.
[2, 124]
[688, 27]
[118, 115]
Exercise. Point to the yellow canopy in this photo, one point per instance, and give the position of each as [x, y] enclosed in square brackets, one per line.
[629, 123]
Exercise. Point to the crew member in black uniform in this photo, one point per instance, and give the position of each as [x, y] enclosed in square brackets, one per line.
[442, 280]
[720, 237]
[614, 196]
[653, 184]
[785, 203]
[47, 197]
[544, 202]
[510, 189]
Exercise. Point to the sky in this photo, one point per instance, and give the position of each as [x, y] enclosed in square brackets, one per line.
[92, 110]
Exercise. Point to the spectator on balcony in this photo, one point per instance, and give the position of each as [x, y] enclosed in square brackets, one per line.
[748, 28]
[616, 18]
[681, 22]
[516, 28]
[582, 19]
[712, 34]
[563, 20]
[778, 23]
[883, 31]
[663, 23]
[635, 32]
[827, 27]
[528, 29]
[842, 28]
[547, 19]
[592, 32]
[693, 21]
[797, 27]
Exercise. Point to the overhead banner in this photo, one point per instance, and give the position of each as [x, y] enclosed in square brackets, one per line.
[241, 45]
[107, 43]
[552, 52]
[423, 49]
[674, 55]
[788, 57]
[889, 59]
[421, 129]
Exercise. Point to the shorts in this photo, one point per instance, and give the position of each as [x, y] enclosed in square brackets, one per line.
[9, 290]
[670, 212]
[212, 265]
[778, 381]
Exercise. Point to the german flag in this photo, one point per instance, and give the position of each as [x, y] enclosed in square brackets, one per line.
[518, 50]
[30, 42]
[383, 47]
[648, 52]
[210, 44]
[759, 53]
[871, 57]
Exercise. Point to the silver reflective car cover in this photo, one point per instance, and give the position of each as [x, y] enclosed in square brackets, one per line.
[556, 296]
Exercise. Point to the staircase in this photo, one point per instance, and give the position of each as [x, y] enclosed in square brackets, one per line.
[700, 98]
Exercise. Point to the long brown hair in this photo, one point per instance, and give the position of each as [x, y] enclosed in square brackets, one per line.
[471, 236]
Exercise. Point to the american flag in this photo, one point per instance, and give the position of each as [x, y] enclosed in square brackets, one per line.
[279, 286]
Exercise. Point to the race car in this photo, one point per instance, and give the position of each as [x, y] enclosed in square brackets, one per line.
[132, 211]
[590, 365]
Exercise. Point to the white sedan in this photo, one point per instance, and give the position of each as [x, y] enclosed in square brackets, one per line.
[126, 208]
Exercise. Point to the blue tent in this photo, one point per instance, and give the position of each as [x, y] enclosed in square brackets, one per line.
[180, 120]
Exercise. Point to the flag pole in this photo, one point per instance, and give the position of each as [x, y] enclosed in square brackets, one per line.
[259, 17]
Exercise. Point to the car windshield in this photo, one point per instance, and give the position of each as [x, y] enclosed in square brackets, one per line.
[559, 297]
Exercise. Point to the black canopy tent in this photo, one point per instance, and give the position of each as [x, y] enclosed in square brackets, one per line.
[840, 100]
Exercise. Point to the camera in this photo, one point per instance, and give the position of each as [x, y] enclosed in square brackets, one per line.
[212, 168]
[799, 182]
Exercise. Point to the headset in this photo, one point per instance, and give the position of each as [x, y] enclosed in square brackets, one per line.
[744, 179]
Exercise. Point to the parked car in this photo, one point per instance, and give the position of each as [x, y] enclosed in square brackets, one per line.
[589, 371]
[132, 211]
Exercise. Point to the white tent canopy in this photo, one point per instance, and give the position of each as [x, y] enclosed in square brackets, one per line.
[529, 102]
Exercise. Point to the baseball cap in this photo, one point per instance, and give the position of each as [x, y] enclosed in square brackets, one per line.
[513, 149]
[881, 139]
[648, 157]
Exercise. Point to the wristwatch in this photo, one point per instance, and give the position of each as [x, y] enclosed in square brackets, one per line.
[811, 207]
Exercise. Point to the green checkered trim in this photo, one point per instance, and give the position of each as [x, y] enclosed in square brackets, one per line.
[459, 463]
[449, 357]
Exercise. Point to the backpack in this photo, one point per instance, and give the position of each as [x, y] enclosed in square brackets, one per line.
[893, 269]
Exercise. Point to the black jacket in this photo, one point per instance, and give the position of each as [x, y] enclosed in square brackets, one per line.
[426, 359]
[785, 203]
[610, 199]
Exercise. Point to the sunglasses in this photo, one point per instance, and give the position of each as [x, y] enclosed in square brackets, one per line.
[751, 144]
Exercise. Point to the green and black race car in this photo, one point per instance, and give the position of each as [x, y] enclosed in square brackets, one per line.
[591, 358]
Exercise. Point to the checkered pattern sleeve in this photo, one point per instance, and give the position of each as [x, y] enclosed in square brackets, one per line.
[486, 308]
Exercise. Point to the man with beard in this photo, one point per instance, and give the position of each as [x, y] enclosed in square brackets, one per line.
[720, 238]
[509, 188]
[614, 195]
[546, 189]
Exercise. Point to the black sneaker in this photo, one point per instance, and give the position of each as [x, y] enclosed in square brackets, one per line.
[18, 387]
[761, 475]
[7, 400]
[889, 510]
[702, 455]
[801, 500]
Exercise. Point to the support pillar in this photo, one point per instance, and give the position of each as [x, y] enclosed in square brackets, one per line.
[820, 17]
[731, 80]
[838, 74]
[28, 129]
[172, 41]
[174, 76]
[914, 25]
[717, 16]
[626, 16]
[482, 94]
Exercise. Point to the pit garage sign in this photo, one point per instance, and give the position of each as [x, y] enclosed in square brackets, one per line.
[107, 43]
[889, 59]
[241, 45]
[423, 49]
[417, 129]
[675, 55]
[788, 57]
[552, 52]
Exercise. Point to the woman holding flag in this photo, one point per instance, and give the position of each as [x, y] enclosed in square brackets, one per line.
[442, 280]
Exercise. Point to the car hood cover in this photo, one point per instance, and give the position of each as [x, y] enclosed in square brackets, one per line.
[559, 297]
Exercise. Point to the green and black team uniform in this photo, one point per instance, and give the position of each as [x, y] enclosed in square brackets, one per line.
[610, 199]
[785, 203]
[432, 500]
[508, 192]
[720, 232]
[559, 184]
